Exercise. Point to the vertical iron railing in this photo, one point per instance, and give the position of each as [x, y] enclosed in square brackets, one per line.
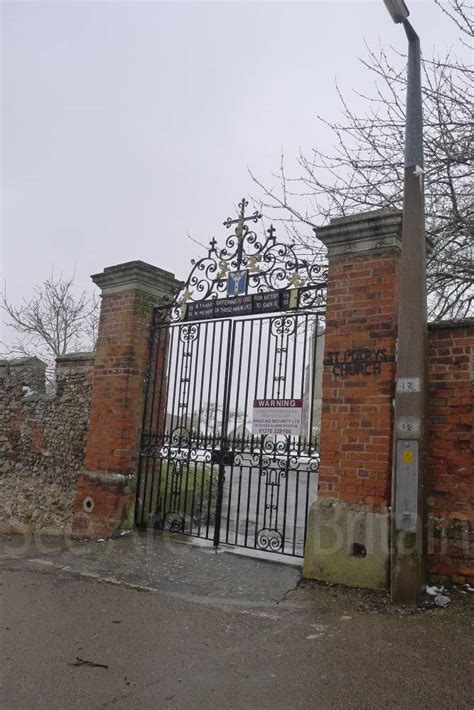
[202, 472]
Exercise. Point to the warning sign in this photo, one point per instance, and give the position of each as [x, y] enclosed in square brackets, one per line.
[277, 416]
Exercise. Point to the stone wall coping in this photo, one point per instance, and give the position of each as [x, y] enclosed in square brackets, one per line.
[374, 231]
[368, 215]
[22, 361]
[452, 324]
[79, 357]
[136, 276]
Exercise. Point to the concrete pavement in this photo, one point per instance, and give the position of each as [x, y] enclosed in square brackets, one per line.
[168, 625]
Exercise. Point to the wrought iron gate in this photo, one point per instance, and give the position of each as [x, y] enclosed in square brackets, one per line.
[230, 442]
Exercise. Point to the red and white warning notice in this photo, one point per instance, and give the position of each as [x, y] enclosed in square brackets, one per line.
[277, 416]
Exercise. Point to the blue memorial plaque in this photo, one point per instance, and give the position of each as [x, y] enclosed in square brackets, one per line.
[237, 283]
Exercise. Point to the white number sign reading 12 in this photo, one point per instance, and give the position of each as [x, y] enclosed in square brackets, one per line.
[408, 384]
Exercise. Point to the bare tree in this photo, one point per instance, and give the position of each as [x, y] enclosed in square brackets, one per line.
[52, 322]
[364, 170]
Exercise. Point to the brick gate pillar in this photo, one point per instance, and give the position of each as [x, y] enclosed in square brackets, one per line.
[105, 491]
[348, 531]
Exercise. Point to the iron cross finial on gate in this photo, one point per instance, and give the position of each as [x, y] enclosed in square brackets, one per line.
[242, 218]
[240, 222]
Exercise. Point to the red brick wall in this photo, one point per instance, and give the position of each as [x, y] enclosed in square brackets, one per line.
[357, 421]
[117, 396]
[107, 482]
[450, 465]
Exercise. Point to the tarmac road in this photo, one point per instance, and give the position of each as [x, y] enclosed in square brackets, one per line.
[176, 627]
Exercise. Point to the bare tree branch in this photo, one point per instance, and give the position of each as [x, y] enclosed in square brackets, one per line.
[52, 322]
[364, 168]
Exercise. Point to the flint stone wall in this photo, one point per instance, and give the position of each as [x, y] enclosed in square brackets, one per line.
[42, 442]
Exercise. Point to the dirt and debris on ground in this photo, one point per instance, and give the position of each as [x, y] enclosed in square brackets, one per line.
[147, 622]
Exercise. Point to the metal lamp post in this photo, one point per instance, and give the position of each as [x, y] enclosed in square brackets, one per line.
[408, 538]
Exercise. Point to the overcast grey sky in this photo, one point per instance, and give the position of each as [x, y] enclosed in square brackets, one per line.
[126, 125]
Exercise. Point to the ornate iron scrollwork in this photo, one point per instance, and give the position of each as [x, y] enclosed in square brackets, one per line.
[269, 266]
[188, 333]
[284, 325]
[270, 540]
[244, 322]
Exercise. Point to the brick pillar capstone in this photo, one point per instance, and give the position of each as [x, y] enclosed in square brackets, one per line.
[105, 495]
[348, 531]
